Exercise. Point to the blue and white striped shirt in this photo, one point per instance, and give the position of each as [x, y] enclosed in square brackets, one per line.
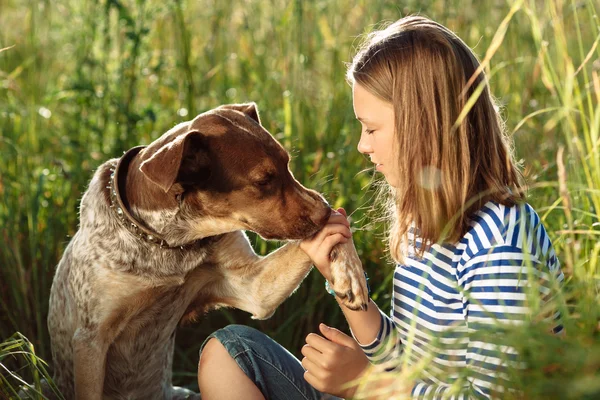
[443, 300]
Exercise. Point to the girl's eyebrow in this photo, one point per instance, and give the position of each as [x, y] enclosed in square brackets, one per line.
[362, 119]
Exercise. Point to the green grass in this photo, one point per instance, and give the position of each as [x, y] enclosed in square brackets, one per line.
[86, 80]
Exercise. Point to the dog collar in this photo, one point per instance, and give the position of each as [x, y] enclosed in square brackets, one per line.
[116, 203]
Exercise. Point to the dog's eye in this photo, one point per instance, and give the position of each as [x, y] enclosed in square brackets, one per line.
[265, 181]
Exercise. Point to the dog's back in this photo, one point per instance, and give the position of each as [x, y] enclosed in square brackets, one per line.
[62, 316]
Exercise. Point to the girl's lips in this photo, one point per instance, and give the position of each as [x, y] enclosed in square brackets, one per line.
[378, 167]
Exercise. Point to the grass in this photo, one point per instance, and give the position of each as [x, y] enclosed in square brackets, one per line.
[82, 81]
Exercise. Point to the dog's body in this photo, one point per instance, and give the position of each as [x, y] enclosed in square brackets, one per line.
[161, 239]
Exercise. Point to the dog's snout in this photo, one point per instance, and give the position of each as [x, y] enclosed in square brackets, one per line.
[320, 215]
[318, 197]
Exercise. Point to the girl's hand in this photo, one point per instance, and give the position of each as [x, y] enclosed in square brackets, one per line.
[333, 361]
[320, 245]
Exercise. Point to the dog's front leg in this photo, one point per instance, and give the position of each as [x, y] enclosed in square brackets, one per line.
[282, 271]
[278, 275]
[256, 284]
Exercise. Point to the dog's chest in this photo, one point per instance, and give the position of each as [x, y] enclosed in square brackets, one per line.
[159, 316]
[143, 351]
[156, 311]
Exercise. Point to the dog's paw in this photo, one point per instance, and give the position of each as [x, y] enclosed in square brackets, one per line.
[29, 392]
[179, 393]
[348, 278]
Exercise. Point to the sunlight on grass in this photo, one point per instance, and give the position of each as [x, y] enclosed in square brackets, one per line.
[82, 81]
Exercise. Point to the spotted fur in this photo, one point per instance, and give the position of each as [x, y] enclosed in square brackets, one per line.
[116, 300]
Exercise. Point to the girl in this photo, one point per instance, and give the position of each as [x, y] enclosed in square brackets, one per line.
[462, 236]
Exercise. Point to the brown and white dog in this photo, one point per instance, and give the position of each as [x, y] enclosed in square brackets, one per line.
[161, 240]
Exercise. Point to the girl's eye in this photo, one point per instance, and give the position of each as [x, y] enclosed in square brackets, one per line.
[369, 131]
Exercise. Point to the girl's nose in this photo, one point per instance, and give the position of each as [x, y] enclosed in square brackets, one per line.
[364, 146]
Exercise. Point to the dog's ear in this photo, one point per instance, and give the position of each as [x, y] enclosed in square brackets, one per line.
[247, 108]
[185, 160]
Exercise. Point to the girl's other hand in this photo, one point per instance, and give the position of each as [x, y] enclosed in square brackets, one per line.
[319, 246]
[332, 361]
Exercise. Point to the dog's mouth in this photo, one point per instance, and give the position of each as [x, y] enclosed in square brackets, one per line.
[305, 230]
[290, 226]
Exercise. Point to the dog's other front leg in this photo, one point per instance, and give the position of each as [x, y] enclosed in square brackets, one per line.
[256, 284]
[123, 296]
[89, 359]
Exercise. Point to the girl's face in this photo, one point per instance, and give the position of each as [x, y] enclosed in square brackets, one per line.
[377, 136]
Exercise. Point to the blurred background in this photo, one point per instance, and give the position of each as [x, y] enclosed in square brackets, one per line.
[81, 81]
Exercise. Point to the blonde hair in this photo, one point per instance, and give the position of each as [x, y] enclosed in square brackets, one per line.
[448, 168]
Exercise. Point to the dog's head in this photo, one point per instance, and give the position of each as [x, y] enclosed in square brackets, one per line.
[224, 172]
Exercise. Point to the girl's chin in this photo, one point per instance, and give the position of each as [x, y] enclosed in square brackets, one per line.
[388, 179]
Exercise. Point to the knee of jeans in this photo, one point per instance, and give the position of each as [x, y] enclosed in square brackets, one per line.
[241, 331]
[228, 338]
[226, 342]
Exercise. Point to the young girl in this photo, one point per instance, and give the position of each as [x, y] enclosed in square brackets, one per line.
[461, 233]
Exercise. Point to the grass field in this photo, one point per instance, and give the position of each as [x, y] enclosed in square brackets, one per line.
[81, 81]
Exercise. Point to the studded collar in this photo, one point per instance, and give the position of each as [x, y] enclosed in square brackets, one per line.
[116, 185]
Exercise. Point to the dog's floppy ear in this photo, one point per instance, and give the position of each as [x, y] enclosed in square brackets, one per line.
[184, 160]
[247, 108]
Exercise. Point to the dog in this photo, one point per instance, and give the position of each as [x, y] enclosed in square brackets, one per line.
[161, 240]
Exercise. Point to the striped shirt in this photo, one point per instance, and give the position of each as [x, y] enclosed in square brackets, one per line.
[443, 302]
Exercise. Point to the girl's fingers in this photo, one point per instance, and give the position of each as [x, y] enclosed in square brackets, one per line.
[316, 357]
[323, 242]
[311, 353]
[319, 343]
[331, 241]
[321, 254]
[337, 218]
[319, 246]
[330, 229]
[339, 337]
[313, 381]
[311, 367]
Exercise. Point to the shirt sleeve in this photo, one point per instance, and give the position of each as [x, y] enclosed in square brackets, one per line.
[387, 346]
[495, 286]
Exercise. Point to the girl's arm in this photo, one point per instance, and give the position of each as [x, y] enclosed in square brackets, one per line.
[374, 331]
[365, 326]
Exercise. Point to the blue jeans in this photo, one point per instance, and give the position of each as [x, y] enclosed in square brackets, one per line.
[275, 371]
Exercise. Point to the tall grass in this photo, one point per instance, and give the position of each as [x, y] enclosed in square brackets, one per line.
[88, 79]
[19, 346]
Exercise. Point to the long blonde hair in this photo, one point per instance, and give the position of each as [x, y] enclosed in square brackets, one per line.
[448, 168]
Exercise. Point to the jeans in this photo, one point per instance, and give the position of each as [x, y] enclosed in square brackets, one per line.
[275, 371]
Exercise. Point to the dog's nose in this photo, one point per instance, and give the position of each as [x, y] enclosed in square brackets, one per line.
[327, 213]
[322, 214]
